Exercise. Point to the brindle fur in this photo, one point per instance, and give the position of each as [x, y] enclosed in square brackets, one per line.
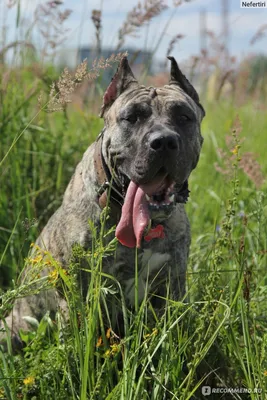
[166, 257]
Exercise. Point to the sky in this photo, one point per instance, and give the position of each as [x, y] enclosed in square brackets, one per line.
[243, 24]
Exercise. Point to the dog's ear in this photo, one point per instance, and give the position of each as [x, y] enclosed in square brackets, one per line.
[121, 81]
[178, 78]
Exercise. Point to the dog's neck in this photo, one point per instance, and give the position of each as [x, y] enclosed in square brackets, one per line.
[109, 193]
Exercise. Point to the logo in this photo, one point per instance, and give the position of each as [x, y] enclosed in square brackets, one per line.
[206, 390]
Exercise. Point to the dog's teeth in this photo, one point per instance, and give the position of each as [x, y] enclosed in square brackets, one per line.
[171, 199]
[147, 197]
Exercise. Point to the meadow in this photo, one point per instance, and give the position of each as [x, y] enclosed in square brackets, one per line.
[217, 337]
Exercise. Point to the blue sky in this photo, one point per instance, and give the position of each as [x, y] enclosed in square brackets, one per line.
[243, 24]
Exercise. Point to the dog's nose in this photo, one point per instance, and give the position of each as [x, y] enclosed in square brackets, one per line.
[159, 141]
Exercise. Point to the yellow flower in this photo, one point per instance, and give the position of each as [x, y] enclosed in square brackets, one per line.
[29, 380]
[107, 353]
[153, 333]
[235, 150]
[108, 333]
[99, 342]
[36, 259]
[32, 244]
[265, 373]
[115, 348]
[53, 275]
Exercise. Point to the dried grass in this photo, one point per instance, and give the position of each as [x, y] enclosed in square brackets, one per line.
[138, 17]
[62, 91]
[247, 162]
[172, 43]
[96, 17]
[261, 32]
[50, 20]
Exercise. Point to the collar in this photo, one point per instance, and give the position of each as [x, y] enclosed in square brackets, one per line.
[109, 191]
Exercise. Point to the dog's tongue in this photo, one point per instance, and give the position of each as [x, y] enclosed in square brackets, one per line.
[134, 217]
[135, 214]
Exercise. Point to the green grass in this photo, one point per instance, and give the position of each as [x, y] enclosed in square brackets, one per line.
[219, 337]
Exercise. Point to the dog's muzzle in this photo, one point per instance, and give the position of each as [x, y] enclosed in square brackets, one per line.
[132, 205]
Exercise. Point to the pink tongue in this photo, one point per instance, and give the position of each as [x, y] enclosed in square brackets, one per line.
[134, 217]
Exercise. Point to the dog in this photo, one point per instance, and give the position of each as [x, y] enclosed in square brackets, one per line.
[139, 166]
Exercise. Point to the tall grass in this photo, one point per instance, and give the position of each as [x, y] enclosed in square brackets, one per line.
[217, 338]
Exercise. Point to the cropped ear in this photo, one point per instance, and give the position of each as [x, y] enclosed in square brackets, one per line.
[121, 81]
[178, 78]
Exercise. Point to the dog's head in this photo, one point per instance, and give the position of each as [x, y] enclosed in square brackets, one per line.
[151, 144]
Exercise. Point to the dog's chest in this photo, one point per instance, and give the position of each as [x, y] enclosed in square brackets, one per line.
[139, 273]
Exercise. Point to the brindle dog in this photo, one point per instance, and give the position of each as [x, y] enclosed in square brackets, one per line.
[140, 164]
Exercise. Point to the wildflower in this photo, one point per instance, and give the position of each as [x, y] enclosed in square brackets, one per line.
[99, 342]
[108, 333]
[153, 333]
[218, 228]
[265, 373]
[53, 275]
[32, 244]
[108, 353]
[36, 259]
[115, 348]
[29, 380]
[235, 150]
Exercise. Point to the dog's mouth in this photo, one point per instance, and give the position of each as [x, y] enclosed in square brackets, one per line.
[162, 198]
[140, 200]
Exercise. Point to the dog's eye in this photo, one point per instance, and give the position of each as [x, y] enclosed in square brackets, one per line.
[132, 118]
[183, 119]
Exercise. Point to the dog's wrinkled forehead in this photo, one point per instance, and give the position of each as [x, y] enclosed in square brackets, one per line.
[124, 89]
[157, 98]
